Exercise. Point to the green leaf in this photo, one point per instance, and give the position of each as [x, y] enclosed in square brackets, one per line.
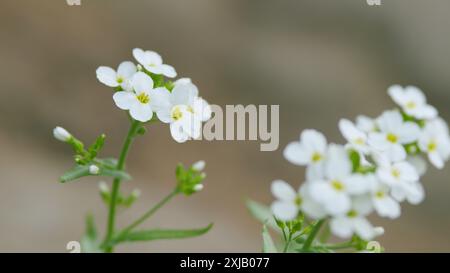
[262, 213]
[122, 175]
[268, 245]
[83, 170]
[159, 234]
[89, 242]
[74, 173]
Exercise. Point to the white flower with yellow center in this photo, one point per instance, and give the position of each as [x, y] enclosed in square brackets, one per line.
[382, 201]
[185, 111]
[121, 77]
[356, 138]
[412, 101]
[403, 180]
[354, 221]
[153, 62]
[339, 184]
[288, 201]
[394, 133]
[142, 100]
[435, 142]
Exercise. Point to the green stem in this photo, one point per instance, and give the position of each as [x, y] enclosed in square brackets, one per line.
[340, 246]
[313, 235]
[288, 242]
[146, 215]
[116, 183]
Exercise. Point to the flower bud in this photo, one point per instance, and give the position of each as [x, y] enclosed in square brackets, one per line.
[61, 134]
[199, 165]
[103, 187]
[378, 231]
[198, 187]
[93, 169]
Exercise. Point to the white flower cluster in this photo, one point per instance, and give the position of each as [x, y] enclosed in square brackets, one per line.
[377, 169]
[141, 90]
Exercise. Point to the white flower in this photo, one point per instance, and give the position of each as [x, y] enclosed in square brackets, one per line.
[435, 141]
[61, 134]
[335, 190]
[356, 138]
[199, 165]
[403, 180]
[153, 62]
[413, 102]
[354, 221]
[310, 150]
[393, 134]
[94, 169]
[143, 100]
[286, 206]
[122, 77]
[382, 202]
[103, 187]
[185, 112]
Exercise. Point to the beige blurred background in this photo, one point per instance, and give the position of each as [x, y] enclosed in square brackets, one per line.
[319, 60]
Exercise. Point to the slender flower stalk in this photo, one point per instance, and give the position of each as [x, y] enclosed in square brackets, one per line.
[116, 183]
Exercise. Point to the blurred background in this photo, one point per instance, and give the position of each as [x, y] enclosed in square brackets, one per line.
[319, 60]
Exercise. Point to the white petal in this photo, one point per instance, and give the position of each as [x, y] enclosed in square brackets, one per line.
[363, 228]
[164, 115]
[126, 69]
[341, 227]
[339, 204]
[415, 194]
[397, 94]
[362, 204]
[419, 164]
[297, 154]
[349, 131]
[124, 99]
[141, 112]
[107, 76]
[314, 139]
[387, 207]
[283, 191]
[436, 160]
[159, 99]
[168, 71]
[357, 184]
[315, 172]
[183, 94]
[142, 82]
[284, 211]
[177, 132]
[365, 124]
[408, 132]
[338, 165]
[407, 172]
[415, 94]
[202, 108]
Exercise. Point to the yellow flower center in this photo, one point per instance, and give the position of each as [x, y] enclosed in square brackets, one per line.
[143, 98]
[359, 141]
[352, 214]
[298, 201]
[432, 146]
[396, 173]
[316, 157]
[392, 138]
[337, 185]
[177, 113]
[411, 105]
[380, 194]
[120, 79]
